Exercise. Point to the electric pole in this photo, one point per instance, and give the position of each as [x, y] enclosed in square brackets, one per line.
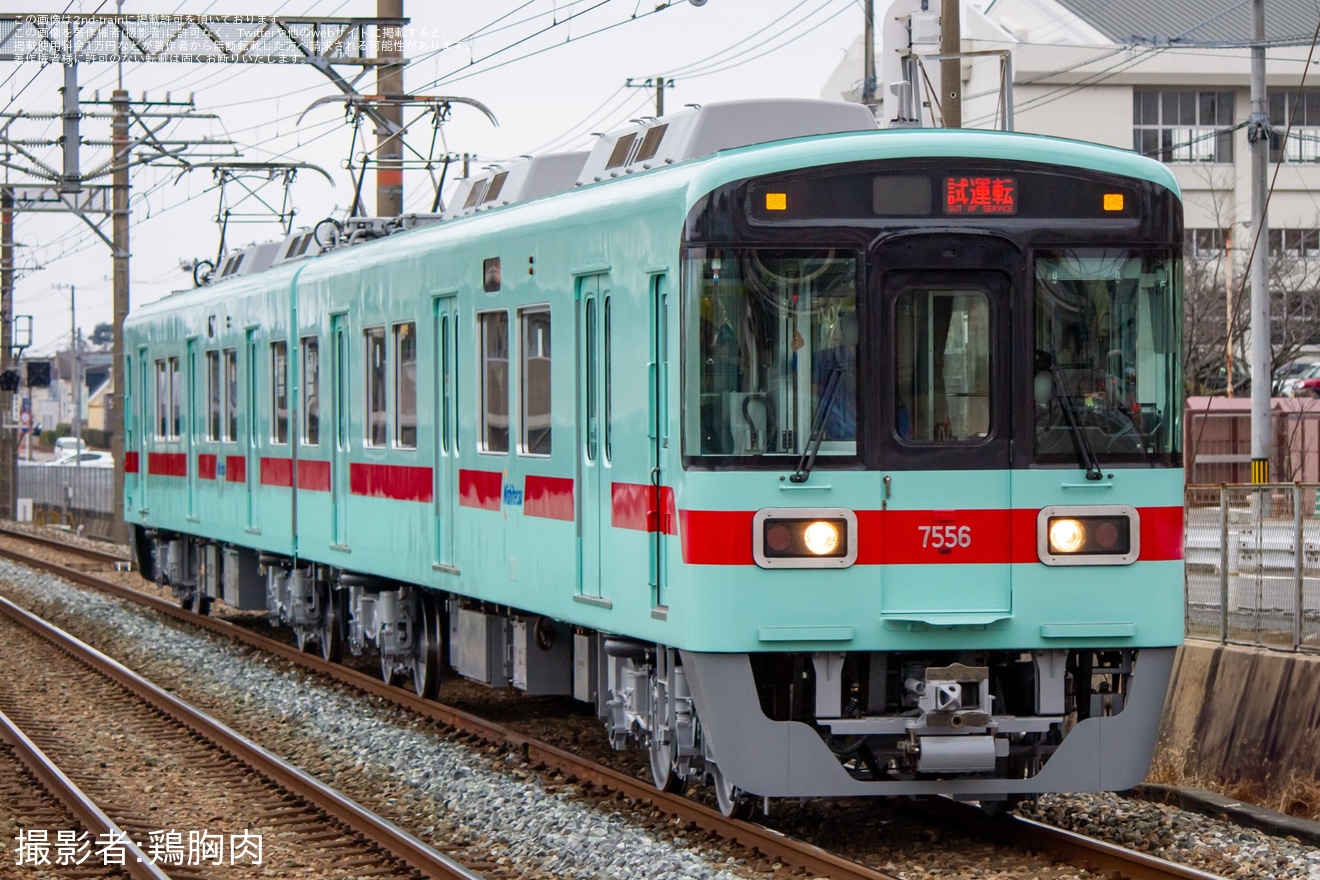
[868, 57]
[389, 136]
[951, 63]
[659, 83]
[1258, 134]
[119, 254]
[8, 443]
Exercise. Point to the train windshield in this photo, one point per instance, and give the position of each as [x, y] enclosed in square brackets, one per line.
[775, 354]
[1107, 383]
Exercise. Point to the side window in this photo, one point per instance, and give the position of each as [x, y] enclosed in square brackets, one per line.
[943, 366]
[213, 395]
[176, 389]
[162, 401]
[375, 398]
[534, 381]
[279, 391]
[494, 381]
[405, 385]
[311, 391]
[231, 395]
[609, 390]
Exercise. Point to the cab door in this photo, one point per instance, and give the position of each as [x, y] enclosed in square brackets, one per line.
[945, 412]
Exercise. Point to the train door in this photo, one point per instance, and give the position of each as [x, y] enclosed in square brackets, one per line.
[658, 435]
[340, 445]
[446, 427]
[190, 424]
[593, 429]
[144, 421]
[252, 452]
[945, 320]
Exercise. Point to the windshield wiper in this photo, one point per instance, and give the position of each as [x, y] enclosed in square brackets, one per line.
[1081, 443]
[808, 459]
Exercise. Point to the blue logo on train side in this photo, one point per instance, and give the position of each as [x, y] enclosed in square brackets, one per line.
[513, 496]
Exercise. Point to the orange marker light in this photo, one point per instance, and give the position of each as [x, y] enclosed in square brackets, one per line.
[1113, 201]
[776, 201]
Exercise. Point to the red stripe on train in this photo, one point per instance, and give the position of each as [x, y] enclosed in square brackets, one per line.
[277, 472]
[130, 462]
[235, 469]
[206, 466]
[481, 489]
[167, 464]
[314, 475]
[549, 497]
[920, 537]
[643, 507]
[398, 482]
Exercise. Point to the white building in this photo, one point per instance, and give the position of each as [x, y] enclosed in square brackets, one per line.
[1170, 78]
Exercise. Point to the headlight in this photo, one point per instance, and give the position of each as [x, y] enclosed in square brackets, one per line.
[804, 538]
[1066, 535]
[821, 537]
[1093, 535]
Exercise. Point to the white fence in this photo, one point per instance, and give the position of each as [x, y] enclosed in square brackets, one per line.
[1253, 564]
[68, 488]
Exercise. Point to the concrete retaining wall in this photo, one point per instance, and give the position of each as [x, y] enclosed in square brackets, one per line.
[1237, 714]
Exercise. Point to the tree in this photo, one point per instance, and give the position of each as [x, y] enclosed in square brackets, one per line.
[103, 335]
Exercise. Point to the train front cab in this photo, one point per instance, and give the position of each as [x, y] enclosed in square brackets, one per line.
[991, 599]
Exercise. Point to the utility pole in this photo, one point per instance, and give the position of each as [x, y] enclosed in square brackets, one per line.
[951, 64]
[389, 137]
[660, 84]
[1258, 134]
[1228, 303]
[868, 57]
[119, 159]
[8, 443]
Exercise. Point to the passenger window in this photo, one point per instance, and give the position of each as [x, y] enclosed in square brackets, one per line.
[534, 382]
[311, 391]
[162, 401]
[494, 381]
[231, 395]
[375, 364]
[213, 395]
[175, 412]
[405, 385]
[609, 404]
[279, 392]
[943, 347]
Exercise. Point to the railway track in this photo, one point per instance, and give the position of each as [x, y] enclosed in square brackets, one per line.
[303, 817]
[1065, 846]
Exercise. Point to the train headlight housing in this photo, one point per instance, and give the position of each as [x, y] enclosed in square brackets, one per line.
[804, 537]
[1094, 535]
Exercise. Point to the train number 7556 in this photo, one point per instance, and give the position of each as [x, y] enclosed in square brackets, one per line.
[946, 536]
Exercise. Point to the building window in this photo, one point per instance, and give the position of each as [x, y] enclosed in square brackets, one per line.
[279, 391]
[213, 395]
[231, 395]
[1176, 126]
[1294, 242]
[311, 388]
[1303, 108]
[494, 381]
[1206, 243]
[375, 363]
[405, 385]
[534, 381]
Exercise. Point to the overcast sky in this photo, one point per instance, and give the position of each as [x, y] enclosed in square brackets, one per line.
[554, 99]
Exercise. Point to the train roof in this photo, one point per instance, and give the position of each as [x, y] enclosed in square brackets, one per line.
[693, 152]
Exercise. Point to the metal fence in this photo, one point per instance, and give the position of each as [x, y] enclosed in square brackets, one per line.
[1253, 564]
[68, 488]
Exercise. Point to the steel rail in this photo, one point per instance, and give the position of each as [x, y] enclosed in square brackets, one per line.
[375, 828]
[1071, 847]
[57, 544]
[97, 823]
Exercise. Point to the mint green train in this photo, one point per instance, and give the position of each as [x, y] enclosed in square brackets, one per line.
[822, 460]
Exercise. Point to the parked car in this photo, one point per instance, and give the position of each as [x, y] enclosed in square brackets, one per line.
[91, 459]
[1304, 384]
[68, 446]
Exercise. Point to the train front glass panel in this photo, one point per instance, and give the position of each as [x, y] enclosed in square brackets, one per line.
[802, 331]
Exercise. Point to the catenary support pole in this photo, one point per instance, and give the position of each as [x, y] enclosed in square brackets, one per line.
[1258, 130]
